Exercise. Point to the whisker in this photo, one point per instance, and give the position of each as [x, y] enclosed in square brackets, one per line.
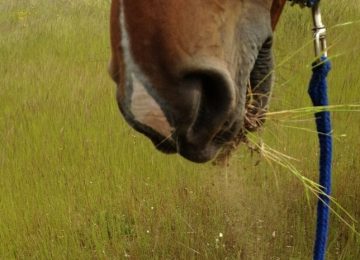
[164, 140]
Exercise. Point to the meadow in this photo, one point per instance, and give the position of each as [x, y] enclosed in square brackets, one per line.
[76, 182]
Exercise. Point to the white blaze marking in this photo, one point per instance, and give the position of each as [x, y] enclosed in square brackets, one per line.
[147, 111]
[143, 106]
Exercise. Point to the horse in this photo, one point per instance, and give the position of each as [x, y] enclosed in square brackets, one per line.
[193, 75]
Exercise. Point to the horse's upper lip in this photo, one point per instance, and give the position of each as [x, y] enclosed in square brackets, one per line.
[190, 150]
[189, 147]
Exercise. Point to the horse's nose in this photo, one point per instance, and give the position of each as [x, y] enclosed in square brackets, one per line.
[214, 112]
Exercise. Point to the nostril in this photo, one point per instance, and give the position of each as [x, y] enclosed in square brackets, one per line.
[216, 102]
[216, 89]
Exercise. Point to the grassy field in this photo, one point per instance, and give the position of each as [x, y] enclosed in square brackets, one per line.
[77, 183]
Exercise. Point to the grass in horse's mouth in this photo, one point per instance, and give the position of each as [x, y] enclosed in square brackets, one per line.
[253, 120]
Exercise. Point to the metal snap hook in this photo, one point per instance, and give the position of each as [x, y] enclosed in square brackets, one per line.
[319, 30]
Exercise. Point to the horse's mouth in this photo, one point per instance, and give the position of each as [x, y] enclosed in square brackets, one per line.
[171, 144]
[220, 147]
[223, 143]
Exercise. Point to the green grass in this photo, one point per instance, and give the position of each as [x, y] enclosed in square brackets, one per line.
[77, 183]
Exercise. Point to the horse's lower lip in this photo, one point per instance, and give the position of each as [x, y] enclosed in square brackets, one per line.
[205, 152]
[198, 155]
[189, 151]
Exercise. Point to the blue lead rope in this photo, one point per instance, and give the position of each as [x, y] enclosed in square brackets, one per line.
[319, 97]
[318, 93]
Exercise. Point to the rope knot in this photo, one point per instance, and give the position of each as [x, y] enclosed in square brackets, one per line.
[318, 87]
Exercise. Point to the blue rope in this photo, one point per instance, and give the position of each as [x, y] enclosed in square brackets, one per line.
[319, 97]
